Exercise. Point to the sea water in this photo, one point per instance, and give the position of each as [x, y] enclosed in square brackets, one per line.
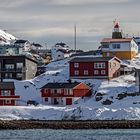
[84, 134]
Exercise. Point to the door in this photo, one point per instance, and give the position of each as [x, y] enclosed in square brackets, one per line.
[56, 101]
[68, 101]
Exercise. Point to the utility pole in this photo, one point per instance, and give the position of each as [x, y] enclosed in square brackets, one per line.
[75, 38]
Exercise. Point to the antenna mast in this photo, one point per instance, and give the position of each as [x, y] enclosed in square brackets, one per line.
[75, 38]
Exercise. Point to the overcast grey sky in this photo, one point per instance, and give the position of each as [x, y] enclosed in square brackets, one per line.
[52, 21]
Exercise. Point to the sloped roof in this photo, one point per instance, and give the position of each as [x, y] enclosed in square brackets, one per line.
[21, 41]
[116, 25]
[90, 59]
[93, 52]
[7, 85]
[110, 40]
[61, 85]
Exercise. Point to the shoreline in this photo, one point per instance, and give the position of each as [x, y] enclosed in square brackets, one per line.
[55, 124]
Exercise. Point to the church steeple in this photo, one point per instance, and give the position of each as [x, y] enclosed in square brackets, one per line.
[116, 33]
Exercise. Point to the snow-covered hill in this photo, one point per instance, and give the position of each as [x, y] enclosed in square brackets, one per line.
[6, 38]
[120, 93]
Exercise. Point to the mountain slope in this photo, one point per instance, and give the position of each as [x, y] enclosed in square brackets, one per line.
[6, 38]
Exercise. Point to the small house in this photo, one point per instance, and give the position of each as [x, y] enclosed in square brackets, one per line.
[64, 93]
[7, 94]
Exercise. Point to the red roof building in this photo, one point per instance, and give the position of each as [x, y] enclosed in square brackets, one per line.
[94, 67]
[64, 93]
[7, 94]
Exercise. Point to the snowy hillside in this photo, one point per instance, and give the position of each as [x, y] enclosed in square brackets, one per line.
[6, 38]
[115, 99]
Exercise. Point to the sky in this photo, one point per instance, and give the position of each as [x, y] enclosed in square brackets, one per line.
[51, 21]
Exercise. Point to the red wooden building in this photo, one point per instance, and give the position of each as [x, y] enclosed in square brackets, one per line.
[7, 94]
[64, 93]
[94, 67]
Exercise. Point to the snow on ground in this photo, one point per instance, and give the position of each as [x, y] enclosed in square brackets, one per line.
[87, 109]
[30, 89]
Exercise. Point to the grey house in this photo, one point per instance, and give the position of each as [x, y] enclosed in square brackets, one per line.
[18, 67]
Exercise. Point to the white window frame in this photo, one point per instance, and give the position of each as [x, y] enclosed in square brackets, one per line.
[103, 72]
[99, 65]
[5, 92]
[96, 72]
[76, 72]
[8, 102]
[85, 72]
[76, 65]
[116, 46]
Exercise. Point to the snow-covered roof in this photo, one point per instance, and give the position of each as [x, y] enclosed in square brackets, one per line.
[90, 59]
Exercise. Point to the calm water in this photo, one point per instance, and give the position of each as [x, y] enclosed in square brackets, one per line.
[47, 134]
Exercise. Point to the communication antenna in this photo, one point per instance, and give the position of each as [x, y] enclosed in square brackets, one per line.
[75, 38]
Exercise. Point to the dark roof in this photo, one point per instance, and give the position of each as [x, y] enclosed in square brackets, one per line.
[90, 59]
[21, 41]
[11, 46]
[61, 85]
[16, 57]
[93, 52]
[61, 44]
[7, 85]
[37, 45]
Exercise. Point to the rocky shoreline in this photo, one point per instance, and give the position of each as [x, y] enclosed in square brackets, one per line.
[99, 124]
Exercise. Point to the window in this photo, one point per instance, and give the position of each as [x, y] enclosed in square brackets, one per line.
[105, 46]
[7, 101]
[46, 91]
[85, 72]
[116, 46]
[6, 93]
[68, 92]
[46, 99]
[76, 72]
[19, 65]
[9, 66]
[102, 72]
[8, 75]
[19, 75]
[76, 65]
[96, 72]
[99, 65]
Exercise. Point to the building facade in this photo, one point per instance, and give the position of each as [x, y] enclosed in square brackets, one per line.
[123, 48]
[17, 67]
[64, 93]
[7, 94]
[94, 67]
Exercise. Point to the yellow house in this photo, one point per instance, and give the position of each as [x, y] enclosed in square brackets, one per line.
[123, 48]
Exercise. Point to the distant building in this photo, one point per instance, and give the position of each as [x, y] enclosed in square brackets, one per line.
[36, 46]
[123, 48]
[7, 94]
[17, 67]
[25, 44]
[10, 50]
[137, 39]
[60, 51]
[94, 67]
[64, 93]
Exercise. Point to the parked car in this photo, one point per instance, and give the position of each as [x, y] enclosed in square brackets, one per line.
[32, 102]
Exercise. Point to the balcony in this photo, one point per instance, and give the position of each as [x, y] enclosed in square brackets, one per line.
[12, 70]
